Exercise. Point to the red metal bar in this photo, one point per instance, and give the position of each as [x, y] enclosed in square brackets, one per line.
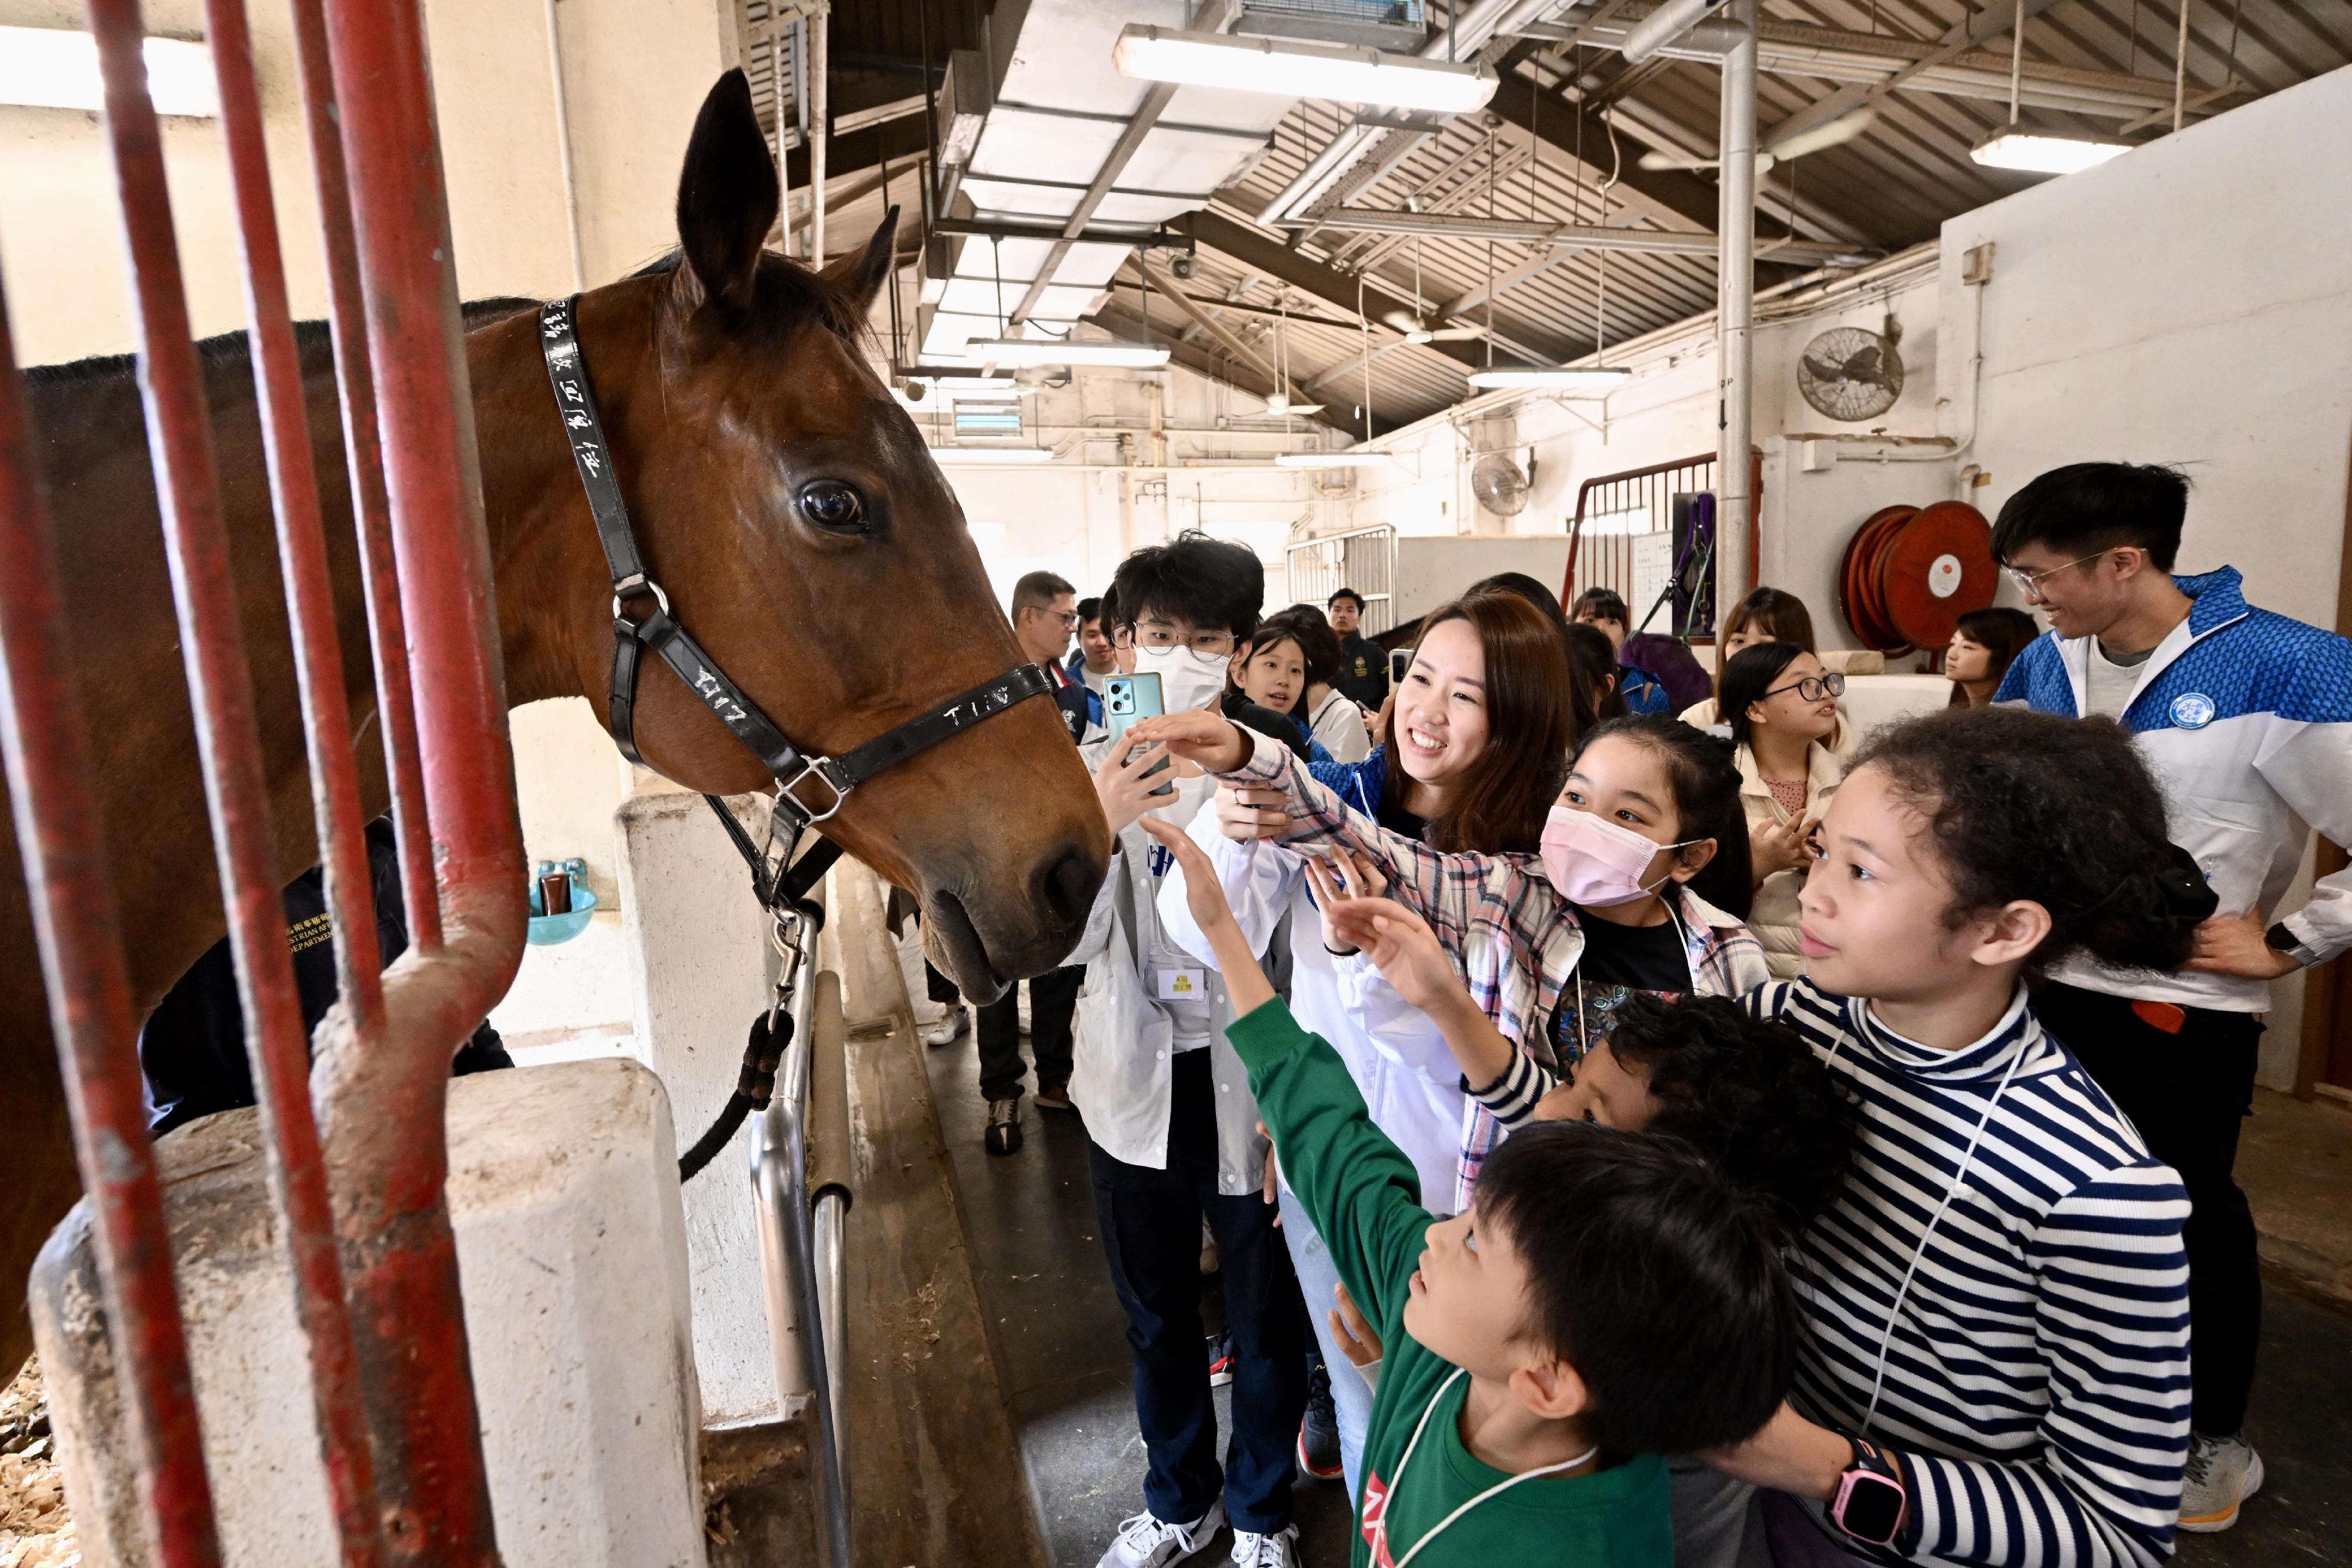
[72, 895]
[203, 591]
[335, 788]
[347, 311]
[384, 1107]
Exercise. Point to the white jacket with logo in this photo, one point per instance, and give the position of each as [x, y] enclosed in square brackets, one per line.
[2245, 718]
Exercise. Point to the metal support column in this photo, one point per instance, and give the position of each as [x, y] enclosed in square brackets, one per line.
[1734, 310]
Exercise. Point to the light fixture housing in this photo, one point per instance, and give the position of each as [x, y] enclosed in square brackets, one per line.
[1347, 459]
[983, 457]
[57, 68]
[2029, 154]
[1039, 352]
[1294, 69]
[1597, 379]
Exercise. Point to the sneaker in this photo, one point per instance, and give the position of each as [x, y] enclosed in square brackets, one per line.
[1054, 1097]
[2222, 1473]
[1220, 1360]
[1148, 1542]
[1003, 1134]
[1319, 1433]
[948, 1029]
[1267, 1550]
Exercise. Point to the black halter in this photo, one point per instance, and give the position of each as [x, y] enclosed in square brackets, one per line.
[829, 778]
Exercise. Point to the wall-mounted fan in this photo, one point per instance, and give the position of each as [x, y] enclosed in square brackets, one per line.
[1500, 485]
[1851, 375]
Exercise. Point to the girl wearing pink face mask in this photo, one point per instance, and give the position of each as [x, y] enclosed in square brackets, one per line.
[1648, 847]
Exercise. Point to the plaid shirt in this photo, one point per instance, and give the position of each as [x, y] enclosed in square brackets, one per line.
[1513, 940]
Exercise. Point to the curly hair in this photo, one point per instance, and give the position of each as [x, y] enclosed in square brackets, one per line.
[2060, 811]
[1746, 1092]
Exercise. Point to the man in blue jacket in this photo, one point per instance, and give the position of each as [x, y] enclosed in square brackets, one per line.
[2246, 718]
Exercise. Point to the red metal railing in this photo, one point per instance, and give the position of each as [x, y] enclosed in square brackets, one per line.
[1614, 511]
[360, 1185]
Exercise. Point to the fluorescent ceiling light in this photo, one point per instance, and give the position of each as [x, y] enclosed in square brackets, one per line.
[1027, 351]
[1345, 73]
[958, 456]
[2015, 149]
[1334, 459]
[1560, 377]
[54, 67]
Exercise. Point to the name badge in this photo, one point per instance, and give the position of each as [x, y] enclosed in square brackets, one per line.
[1180, 985]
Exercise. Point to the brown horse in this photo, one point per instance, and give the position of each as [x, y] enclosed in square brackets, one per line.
[730, 384]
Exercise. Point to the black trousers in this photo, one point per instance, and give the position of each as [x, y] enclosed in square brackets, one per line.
[2188, 1093]
[1151, 1235]
[1053, 1001]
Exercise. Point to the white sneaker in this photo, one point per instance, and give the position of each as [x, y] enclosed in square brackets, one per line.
[1148, 1542]
[2222, 1473]
[947, 1030]
[1267, 1550]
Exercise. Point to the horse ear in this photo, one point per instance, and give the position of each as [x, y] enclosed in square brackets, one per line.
[861, 276]
[727, 196]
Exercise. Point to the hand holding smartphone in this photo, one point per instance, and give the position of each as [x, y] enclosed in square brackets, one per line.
[1126, 700]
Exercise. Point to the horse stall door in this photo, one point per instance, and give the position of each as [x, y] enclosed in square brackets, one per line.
[258, 1347]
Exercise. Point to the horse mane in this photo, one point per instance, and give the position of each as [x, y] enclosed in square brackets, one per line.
[234, 349]
[788, 292]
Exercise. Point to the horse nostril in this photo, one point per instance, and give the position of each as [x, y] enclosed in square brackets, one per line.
[1066, 889]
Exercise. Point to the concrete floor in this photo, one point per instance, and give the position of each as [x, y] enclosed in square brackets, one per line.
[1061, 1345]
[1062, 1354]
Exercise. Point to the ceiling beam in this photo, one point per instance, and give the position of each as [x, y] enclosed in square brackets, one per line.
[1578, 236]
[1210, 325]
[1215, 366]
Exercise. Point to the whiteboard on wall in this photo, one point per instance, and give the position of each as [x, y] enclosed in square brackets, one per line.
[1654, 570]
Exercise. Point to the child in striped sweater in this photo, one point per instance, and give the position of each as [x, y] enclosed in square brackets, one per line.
[1996, 1367]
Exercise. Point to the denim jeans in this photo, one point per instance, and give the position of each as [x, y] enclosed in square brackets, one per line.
[1351, 1397]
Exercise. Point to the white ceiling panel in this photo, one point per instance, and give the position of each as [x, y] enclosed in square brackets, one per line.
[1063, 55]
[1007, 258]
[1190, 158]
[1022, 143]
[1092, 264]
[979, 296]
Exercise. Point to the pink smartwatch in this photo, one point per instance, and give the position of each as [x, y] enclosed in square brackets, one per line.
[1869, 1502]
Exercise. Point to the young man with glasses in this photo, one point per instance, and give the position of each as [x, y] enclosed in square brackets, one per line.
[2246, 718]
[1172, 1130]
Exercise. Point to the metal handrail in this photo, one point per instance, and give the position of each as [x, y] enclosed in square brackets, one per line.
[789, 1272]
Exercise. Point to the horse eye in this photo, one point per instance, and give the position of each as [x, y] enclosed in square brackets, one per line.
[830, 503]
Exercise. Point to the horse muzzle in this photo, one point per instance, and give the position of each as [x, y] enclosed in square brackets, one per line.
[986, 936]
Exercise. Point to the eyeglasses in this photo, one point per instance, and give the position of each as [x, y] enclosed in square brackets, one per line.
[1813, 688]
[1160, 636]
[2030, 582]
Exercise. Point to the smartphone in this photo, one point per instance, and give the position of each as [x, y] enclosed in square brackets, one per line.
[1127, 698]
[1400, 661]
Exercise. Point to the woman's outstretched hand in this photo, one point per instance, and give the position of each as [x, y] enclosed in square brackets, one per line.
[1254, 812]
[1198, 735]
[1402, 946]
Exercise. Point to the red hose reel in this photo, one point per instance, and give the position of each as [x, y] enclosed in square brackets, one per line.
[1911, 573]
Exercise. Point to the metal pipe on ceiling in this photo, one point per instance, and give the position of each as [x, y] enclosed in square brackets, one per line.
[1735, 318]
[820, 28]
[1536, 232]
[563, 147]
[1665, 25]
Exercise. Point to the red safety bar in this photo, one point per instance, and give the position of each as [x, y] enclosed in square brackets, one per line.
[362, 1207]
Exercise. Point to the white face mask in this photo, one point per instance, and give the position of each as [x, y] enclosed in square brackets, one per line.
[1187, 679]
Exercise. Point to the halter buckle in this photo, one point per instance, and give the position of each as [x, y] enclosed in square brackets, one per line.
[820, 769]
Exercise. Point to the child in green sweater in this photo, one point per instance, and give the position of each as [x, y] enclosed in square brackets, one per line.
[1608, 1298]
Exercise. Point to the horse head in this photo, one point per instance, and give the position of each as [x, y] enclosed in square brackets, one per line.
[789, 509]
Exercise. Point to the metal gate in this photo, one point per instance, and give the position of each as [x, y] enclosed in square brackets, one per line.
[362, 1210]
[1361, 558]
[1624, 538]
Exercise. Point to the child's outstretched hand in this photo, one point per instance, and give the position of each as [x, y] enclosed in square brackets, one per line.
[1196, 735]
[1400, 945]
[1203, 894]
[1122, 785]
[1338, 879]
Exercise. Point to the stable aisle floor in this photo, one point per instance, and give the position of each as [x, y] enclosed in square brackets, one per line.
[1062, 1353]
[1061, 1338]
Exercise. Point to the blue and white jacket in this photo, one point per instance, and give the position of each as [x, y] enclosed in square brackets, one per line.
[2245, 718]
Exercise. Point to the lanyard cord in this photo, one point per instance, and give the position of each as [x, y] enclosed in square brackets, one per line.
[1959, 1179]
[1440, 1527]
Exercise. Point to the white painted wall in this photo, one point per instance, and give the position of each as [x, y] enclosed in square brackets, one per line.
[636, 72]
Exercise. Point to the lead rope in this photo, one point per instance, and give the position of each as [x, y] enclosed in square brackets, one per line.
[1397, 1482]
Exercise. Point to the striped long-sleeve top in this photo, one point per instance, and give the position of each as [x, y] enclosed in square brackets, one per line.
[2036, 1381]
